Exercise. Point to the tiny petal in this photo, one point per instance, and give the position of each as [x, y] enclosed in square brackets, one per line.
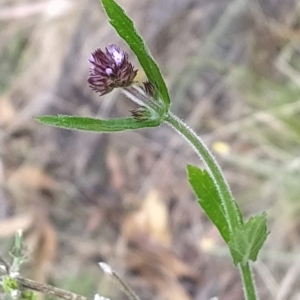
[106, 268]
[91, 59]
[116, 53]
[109, 71]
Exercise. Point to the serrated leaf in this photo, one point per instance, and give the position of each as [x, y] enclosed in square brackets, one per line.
[209, 199]
[96, 125]
[246, 240]
[127, 31]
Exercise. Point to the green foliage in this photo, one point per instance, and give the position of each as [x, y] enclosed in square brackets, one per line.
[9, 284]
[125, 28]
[96, 125]
[28, 295]
[18, 252]
[209, 199]
[247, 239]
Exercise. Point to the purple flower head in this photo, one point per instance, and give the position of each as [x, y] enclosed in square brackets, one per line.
[110, 69]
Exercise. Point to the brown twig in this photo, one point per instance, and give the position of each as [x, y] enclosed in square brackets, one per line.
[48, 289]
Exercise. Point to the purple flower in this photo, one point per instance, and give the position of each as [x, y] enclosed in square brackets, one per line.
[110, 69]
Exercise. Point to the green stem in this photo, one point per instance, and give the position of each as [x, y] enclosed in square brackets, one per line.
[232, 213]
[233, 217]
[248, 282]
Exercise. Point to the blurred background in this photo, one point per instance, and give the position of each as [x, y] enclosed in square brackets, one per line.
[233, 69]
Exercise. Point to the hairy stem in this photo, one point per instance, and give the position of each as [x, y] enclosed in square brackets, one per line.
[232, 213]
[248, 282]
[233, 217]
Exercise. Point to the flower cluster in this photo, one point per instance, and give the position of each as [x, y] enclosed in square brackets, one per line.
[110, 69]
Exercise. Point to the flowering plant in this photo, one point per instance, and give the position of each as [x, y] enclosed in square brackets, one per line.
[111, 69]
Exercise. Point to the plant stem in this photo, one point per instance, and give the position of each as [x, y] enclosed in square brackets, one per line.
[233, 217]
[231, 211]
[248, 282]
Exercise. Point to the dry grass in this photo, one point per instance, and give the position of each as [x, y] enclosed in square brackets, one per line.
[233, 69]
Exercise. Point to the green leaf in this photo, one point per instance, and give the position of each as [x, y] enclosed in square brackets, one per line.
[28, 295]
[96, 125]
[209, 199]
[125, 28]
[9, 284]
[246, 240]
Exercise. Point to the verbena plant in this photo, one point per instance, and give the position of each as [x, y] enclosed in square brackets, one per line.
[111, 69]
